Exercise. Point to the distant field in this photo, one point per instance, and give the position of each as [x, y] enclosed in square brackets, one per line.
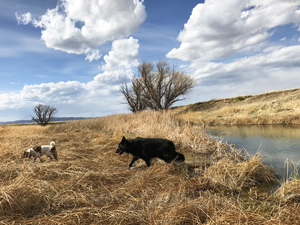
[218, 184]
[277, 107]
[54, 120]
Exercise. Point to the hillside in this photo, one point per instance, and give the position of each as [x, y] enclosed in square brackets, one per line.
[276, 107]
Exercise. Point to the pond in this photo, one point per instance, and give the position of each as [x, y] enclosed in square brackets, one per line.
[278, 143]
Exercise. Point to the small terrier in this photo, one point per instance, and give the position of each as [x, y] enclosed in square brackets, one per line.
[39, 151]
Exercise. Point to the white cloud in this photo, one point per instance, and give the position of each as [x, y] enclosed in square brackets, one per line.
[265, 81]
[93, 98]
[124, 53]
[250, 68]
[114, 77]
[100, 20]
[219, 29]
[24, 19]
[92, 54]
[272, 48]
[239, 31]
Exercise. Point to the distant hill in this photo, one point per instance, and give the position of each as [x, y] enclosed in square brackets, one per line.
[274, 107]
[54, 119]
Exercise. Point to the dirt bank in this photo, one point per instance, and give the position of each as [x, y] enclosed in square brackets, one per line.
[276, 107]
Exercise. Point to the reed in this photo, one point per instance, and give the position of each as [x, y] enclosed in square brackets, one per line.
[236, 176]
[289, 192]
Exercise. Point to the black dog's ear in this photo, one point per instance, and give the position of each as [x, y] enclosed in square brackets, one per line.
[123, 139]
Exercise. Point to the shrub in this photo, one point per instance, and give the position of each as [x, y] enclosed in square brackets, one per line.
[239, 98]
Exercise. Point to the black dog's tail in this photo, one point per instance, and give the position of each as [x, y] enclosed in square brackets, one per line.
[180, 157]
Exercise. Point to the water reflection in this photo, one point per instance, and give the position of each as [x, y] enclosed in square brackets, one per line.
[276, 143]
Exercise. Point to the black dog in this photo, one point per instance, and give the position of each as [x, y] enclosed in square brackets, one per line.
[148, 148]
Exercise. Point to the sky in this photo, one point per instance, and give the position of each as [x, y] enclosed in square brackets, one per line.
[74, 54]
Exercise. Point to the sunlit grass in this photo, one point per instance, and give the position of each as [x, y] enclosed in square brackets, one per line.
[278, 107]
[89, 183]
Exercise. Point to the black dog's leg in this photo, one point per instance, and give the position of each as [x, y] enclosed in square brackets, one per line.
[148, 162]
[132, 161]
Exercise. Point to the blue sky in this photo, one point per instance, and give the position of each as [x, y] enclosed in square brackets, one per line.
[73, 54]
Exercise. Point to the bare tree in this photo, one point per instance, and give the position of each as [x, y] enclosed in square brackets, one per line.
[44, 113]
[156, 89]
[133, 96]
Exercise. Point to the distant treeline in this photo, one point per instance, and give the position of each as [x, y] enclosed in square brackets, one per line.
[54, 119]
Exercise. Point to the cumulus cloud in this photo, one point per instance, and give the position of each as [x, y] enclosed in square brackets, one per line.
[267, 80]
[24, 19]
[100, 21]
[124, 53]
[88, 98]
[118, 63]
[240, 32]
[63, 92]
[219, 29]
[250, 68]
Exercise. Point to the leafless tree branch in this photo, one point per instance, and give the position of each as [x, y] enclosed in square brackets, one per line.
[156, 89]
[44, 113]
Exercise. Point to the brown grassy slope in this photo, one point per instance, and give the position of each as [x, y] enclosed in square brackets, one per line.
[89, 183]
[277, 107]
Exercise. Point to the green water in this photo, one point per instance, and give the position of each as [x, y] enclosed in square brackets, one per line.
[277, 143]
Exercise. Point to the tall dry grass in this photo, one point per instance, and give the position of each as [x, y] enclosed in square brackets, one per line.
[89, 183]
[187, 138]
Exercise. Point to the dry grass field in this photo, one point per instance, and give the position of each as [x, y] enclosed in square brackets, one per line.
[277, 107]
[217, 184]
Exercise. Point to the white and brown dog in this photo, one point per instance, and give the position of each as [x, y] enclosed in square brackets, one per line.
[39, 151]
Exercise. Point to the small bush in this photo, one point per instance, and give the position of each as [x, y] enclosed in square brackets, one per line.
[239, 98]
